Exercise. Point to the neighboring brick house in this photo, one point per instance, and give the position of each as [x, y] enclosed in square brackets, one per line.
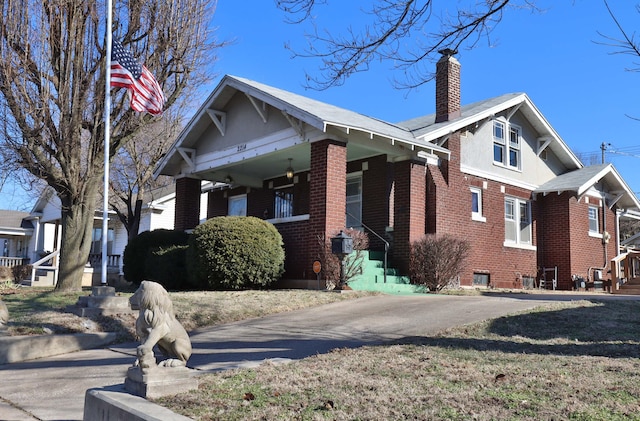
[494, 172]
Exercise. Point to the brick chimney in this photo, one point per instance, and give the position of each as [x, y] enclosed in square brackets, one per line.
[447, 86]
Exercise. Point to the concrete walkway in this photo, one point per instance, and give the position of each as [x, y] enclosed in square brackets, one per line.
[54, 388]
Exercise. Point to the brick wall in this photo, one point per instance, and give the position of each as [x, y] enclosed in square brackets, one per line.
[567, 243]
[449, 212]
[327, 199]
[295, 237]
[376, 190]
[409, 212]
[187, 214]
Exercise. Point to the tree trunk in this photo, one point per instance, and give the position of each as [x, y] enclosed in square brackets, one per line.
[134, 219]
[77, 230]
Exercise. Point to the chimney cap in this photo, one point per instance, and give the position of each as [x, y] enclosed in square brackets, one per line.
[448, 52]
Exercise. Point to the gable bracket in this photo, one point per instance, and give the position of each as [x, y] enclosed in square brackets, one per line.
[219, 118]
[618, 196]
[189, 156]
[513, 111]
[297, 125]
[443, 140]
[543, 142]
[262, 111]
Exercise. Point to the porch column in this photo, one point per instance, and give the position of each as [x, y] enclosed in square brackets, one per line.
[187, 215]
[327, 195]
[409, 210]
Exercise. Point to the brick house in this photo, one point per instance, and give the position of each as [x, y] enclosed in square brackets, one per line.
[493, 172]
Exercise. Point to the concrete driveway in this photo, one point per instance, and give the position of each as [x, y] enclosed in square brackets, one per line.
[54, 388]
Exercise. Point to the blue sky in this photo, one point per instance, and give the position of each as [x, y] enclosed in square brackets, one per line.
[583, 90]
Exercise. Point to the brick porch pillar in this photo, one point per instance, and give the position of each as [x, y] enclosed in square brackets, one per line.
[409, 210]
[187, 214]
[327, 195]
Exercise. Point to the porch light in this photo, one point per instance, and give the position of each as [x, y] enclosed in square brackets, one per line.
[290, 170]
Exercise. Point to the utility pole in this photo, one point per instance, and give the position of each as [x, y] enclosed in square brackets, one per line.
[603, 147]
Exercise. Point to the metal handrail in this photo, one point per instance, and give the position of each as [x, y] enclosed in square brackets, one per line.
[386, 244]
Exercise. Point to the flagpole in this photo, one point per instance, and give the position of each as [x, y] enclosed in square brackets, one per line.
[107, 136]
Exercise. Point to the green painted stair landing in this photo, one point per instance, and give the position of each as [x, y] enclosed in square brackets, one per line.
[372, 278]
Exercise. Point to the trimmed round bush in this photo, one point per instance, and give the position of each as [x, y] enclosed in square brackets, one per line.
[235, 252]
[156, 256]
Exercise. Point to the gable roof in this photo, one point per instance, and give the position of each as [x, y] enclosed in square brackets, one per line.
[420, 132]
[427, 129]
[14, 222]
[581, 180]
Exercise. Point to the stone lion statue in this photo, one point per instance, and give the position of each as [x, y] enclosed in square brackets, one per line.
[157, 325]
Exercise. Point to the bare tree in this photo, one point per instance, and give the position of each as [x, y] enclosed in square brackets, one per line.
[407, 33]
[131, 180]
[52, 73]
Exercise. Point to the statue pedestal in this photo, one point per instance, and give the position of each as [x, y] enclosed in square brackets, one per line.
[160, 381]
[103, 300]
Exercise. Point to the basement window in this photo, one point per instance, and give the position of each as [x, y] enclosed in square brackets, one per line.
[481, 279]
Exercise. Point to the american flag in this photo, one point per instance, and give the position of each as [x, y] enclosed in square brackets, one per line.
[126, 72]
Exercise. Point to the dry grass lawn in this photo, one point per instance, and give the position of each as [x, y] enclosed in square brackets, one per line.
[571, 361]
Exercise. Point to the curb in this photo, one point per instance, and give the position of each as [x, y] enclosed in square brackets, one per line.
[30, 347]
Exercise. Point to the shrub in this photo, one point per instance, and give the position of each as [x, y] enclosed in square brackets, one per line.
[235, 252]
[21, 272]
[5, 273]
[168, 267]
[143, 255]
[353, 262]
[437, 260]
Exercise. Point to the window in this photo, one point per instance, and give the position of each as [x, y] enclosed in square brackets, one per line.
[517, 221]
[514, 147]
[507, 154]
[354, 201]
[481, 279]
[238, 205]
[476, 204]
[284, 202]
[96, 241]
[593, 220]
[498, 142]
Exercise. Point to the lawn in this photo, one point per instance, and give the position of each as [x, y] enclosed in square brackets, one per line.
[570, 361]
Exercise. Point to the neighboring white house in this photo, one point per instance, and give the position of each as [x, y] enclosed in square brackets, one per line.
[34, 237]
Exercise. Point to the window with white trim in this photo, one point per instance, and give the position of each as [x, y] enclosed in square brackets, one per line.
[517, 221]
[476, 204]
[354, 201]
[237, 205]
[594, 226]
[505, 152]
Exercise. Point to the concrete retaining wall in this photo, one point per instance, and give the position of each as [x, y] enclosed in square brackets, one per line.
[106, 405]
[30, 347]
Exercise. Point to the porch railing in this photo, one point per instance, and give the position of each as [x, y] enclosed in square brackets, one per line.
[46, 264]
[113, 260]
[13, 261]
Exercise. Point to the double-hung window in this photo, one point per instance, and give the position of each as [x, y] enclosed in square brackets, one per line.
[354, 201]
[517, 222]
[506, 152]
[594, 227]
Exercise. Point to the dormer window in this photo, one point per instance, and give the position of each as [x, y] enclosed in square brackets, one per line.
[506, 152]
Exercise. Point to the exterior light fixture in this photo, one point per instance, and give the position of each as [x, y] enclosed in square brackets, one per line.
[290, 170]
